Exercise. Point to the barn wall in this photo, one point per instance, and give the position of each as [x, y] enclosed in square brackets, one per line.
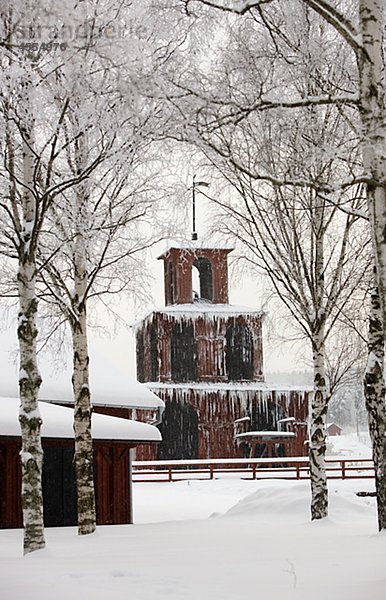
[10, 485]
[112, 494]
[199, 423]
[111, 477]
[146, 451]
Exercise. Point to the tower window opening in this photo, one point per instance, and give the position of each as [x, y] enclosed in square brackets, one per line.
[202, 280]
[195, 284]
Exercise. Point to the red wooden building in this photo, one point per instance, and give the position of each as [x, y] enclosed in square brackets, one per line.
[333, 429]
[204, 358]
[112, 440]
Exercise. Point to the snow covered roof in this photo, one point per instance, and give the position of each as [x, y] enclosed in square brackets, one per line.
[196, 245]
[110, 385]
[58, 420]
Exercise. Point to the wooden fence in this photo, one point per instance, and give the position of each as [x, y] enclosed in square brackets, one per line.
[249, 468]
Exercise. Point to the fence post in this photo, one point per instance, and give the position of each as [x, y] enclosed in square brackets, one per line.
[343, 465]
[170, 474]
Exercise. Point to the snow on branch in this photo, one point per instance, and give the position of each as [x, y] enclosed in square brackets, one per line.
[337, 19]
[278, 182]
[323, 7]
[233, 6]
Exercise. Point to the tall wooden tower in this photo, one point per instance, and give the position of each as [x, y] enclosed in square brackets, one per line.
[204, 358]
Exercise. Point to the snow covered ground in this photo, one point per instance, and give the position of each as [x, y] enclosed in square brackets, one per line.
[350, 444]
[213, 540]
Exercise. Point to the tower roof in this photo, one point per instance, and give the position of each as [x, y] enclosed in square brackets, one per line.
[194, 245]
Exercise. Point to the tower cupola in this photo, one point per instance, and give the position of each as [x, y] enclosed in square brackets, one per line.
[196, 272]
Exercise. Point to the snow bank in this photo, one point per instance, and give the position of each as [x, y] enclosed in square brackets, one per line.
[232, 558]
[288, 501]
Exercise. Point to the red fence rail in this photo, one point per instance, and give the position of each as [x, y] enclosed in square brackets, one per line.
[249, 468]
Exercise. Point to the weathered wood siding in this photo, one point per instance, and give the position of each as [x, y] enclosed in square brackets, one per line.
[214, 348]
[112, 490]
[10, 483]
[200, 423]
[111, 483]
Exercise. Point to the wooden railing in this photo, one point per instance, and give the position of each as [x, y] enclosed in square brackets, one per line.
[249, 468]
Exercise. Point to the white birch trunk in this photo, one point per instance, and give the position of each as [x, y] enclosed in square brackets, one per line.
[317, 449]
[29, 377]
[83, 458]
[374, 389]
[372, 112]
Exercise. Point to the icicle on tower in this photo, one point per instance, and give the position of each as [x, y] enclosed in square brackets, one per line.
[204, 358]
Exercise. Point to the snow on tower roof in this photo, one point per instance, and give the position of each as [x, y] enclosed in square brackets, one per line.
[202, 309]
[58, 422]
[209, 308]
[196, 245]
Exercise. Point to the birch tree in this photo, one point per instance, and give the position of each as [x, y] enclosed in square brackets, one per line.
[23, 209]
[264, 77]
[307, 251]
[26, 198]
[98, 222]
[34, 106]
[374, 391]
[100, 227]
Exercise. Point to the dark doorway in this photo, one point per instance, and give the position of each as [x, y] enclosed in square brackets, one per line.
[171, 298]
[140, 357]
[59, 488]
[265, 415]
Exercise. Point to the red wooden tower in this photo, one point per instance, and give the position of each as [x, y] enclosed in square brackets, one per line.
[204, 358]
